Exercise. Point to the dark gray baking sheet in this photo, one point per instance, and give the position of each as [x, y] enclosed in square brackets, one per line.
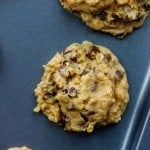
[31, 32]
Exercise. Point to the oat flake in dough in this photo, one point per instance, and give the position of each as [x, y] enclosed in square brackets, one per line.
[83, 87]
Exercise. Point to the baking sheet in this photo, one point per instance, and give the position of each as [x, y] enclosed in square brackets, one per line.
[31, 32]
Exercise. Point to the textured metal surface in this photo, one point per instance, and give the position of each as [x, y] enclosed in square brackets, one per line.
[31, 32]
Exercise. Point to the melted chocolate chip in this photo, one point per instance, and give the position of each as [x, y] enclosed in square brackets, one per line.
[72, 92]
[103, 15]
[92, 51]
[107, 58]
[118, 74]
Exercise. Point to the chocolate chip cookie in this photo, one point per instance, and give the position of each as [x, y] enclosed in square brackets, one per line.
[118, 17]
[83, 87]
[19, 148]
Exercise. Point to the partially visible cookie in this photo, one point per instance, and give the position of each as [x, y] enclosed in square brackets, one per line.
[83, 87]
[19, 148]
[86, 6]
[117, 17]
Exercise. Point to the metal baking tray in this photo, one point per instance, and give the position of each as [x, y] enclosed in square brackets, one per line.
[31, 32]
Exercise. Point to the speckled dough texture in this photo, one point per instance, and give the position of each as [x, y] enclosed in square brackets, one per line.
[117, 17]
[83, 87]
[19, 148]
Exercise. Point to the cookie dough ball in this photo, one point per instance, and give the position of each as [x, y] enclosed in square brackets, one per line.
[19, 148]
[83, 87]
[117, 17]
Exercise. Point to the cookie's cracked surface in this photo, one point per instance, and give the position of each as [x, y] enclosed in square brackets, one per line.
[83, 87]
[117, 17]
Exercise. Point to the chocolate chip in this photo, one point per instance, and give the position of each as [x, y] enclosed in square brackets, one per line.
[103, 15]
[74, 59]
[85, 101]
[92, 51]
[48, 94]
[62, 120]
[54, 93]
[93, 86]
[90, 112]
[85, 117]
[82, 123]
[70, 76]
[76, 12]
[64, 62]
[56, 100]
[116, 18]
[105, 73]
[90, 56]
[147, 6]
[107, 58]
[72, 92]
[66, 52]
[63, 71]
[65, 91]
[57, 87]
[118, 74]
[53, 83]
[140, 17]
[85, 71]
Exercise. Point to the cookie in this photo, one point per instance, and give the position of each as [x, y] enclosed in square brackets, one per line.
[86, 6]
[118, 17]
[19, 148]
[83, 87]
